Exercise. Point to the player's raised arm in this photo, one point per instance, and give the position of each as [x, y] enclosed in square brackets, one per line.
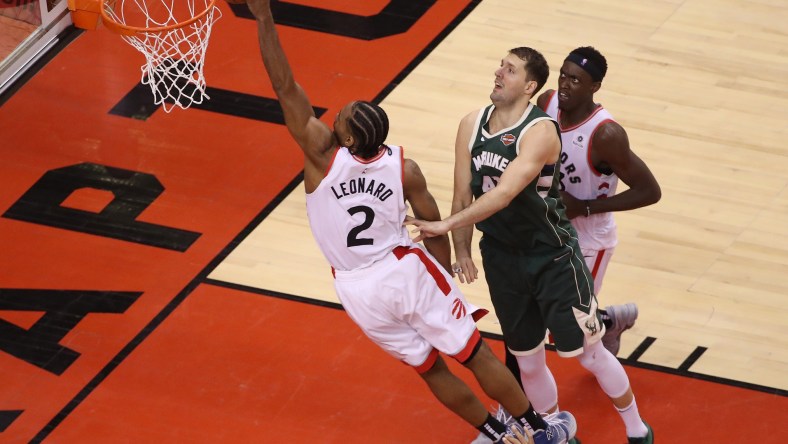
[312, 135]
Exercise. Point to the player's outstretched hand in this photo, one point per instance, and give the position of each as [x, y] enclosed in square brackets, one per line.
[519, 438]
[426, 229]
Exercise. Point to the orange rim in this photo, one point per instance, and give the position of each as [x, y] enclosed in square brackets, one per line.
[122, 29]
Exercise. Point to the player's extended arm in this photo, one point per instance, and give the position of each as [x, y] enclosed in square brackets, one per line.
[425, 208]
[540, 146]
[312, 135]
[612, 151]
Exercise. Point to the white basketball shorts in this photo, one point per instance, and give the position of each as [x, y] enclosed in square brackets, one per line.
[411, 307]
[597, 261]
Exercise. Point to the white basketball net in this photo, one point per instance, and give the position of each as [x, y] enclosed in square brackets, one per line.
[174, 58]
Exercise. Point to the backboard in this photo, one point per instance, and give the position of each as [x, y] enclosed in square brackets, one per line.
[28, 29]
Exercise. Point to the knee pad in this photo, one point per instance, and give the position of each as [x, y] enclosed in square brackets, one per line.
[608, 371]
[591, 360]
[531, 364]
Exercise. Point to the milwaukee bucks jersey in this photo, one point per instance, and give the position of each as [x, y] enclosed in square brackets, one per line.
[536, 215]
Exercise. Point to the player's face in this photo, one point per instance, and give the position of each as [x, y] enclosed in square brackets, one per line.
[342, 133]
[575, 87]
[510, 80]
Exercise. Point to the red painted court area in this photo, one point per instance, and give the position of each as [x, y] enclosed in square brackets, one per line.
[106, 338]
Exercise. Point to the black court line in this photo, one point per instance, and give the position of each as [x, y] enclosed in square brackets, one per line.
[629, 361]
[640, 349]
[7, 417]
[692, 358]
[276, 294]
[203, 275]
[159, 318]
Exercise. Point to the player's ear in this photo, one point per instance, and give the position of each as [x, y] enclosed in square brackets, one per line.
[530, 87]
[595, 86]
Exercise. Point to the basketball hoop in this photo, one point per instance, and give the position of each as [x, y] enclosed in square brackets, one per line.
[173, 36]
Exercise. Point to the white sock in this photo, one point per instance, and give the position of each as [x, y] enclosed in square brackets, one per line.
[635, 426]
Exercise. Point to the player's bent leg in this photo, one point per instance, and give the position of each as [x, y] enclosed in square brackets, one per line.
[499, 383]
[496, 380]
[452, 392]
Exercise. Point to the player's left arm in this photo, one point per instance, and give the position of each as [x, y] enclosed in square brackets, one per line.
[611, 151]
[425, 208]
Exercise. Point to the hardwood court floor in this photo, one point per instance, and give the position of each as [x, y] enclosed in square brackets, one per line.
[196, 308]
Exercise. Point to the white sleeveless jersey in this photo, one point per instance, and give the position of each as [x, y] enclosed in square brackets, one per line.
[580, 179]
[356, 212]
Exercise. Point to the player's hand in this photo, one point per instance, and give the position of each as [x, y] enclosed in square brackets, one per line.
[519, 438]
[574, 206]
[426, 229]
[465, 269]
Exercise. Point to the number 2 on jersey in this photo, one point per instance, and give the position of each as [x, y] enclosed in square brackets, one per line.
[352, 237]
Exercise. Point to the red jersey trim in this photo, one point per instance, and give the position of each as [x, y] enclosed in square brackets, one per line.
[402, 163]
[371, 159]
[331, 163]
[549, 100]
[574, 127]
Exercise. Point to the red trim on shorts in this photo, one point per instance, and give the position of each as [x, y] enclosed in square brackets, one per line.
[479, 313]
[432, 269]
[428, 363]
[597, 263]
[465, 354]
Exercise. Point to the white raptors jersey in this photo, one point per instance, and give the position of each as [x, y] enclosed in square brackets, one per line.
[580, 179]
[356, 212]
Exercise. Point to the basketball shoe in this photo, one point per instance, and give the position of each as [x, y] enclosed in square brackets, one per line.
[622, 318]
[561, 428]
[648, 439]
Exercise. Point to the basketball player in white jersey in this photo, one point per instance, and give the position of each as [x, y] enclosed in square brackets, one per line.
[399, 293]
[595, 155]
